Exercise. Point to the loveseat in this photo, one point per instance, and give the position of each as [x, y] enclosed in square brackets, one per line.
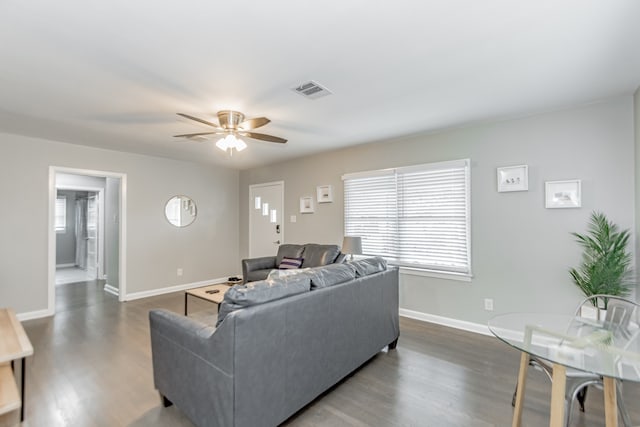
[310, 254]
[279, 343]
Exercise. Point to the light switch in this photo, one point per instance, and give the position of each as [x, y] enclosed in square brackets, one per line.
[293, 218]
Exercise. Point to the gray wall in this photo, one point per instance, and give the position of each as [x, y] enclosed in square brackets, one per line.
[207, 249]
[111, 226]
[66, 242]
[520, 251]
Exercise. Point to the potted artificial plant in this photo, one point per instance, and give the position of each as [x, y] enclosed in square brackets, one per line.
[606, 262]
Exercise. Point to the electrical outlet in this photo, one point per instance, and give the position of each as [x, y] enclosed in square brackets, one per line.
[179, 272]
[293, 218]
[488, 304]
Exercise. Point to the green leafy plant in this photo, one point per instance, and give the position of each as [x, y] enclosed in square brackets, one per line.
[606, 263]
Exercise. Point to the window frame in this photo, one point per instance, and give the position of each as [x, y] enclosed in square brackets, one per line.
[431, 270]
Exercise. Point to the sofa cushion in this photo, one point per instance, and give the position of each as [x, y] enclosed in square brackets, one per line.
[289, 251]
[367, 266]
[261, 292]
[332, 274]
[318, 255]
[290, 263]
[255, 275]
[277, 274]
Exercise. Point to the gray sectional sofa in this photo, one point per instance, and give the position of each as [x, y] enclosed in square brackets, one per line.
[278, 344]
[312, 255]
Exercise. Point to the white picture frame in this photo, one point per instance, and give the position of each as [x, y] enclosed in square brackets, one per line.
[306, 205]
[563, 194]
[513, 178]
[324, 193]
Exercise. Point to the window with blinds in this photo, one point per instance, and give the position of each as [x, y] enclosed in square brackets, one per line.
[417, 216]
[61, 214]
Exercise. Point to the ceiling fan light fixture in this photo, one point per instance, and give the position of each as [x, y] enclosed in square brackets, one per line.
[232, 124]
[240, 144]
[231, 142]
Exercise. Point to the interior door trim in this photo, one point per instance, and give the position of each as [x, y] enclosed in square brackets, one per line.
[122, 247]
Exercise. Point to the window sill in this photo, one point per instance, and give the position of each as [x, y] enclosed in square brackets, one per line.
[460, 277]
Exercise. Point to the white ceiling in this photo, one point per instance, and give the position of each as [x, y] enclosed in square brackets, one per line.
[113, 73]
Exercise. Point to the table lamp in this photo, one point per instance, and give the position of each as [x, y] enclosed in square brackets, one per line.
[352, 245]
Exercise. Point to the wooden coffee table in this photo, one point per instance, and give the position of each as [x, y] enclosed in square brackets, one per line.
[206, 294]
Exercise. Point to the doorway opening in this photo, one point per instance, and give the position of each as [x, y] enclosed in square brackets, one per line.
[79, 224]
[87, 232]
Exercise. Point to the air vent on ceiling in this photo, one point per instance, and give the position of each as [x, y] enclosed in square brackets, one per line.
[311, 90]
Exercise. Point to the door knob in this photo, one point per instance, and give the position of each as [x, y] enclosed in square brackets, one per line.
[277, 242]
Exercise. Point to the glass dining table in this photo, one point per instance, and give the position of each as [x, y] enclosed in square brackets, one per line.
[568, 341]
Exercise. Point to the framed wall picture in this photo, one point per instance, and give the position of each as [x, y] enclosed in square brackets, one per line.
[306, 204]
[563, 194]
[513, 178]
[324, 193]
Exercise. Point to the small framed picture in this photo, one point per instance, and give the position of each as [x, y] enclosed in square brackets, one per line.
[513, 178]
[306, 204]
[563, 194]
[324, 193]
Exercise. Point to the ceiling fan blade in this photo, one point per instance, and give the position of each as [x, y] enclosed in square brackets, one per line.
[191, 135]
[199, 120]
[253, 123]
[263, 137]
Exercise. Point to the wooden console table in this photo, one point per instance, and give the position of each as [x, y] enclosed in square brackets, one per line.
[14, 345]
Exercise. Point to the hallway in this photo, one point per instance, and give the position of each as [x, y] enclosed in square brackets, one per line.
[66, 275]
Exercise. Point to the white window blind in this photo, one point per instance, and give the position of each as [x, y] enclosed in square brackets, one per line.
[416, 216]
[61, 214]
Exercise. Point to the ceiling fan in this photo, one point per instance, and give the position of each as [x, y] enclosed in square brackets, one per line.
[232, 124]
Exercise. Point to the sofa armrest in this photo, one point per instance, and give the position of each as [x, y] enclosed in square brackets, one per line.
[190, 335]
[252, 264]
[193, 366]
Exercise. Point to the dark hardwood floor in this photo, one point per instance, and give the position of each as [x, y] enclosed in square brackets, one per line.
[92, 367]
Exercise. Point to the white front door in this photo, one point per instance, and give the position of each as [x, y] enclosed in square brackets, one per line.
[266, 218]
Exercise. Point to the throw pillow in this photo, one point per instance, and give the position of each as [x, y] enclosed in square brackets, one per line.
[289, 263]
[290, 251]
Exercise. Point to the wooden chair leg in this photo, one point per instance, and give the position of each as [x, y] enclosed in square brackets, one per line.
[582, 395]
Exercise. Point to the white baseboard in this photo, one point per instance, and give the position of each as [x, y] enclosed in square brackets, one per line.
[65, 265]
[29, 315]
[447, 321]
[169, 289]
[110, 289]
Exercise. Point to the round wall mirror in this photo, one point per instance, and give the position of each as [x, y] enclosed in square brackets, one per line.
[180, 211]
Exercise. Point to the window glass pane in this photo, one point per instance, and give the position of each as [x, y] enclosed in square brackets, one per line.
[370, 212]
[61, 214]
[92, 213]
